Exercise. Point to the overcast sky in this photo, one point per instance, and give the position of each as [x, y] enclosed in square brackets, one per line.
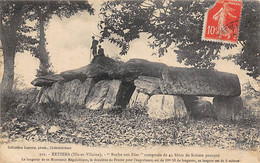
[69, 42]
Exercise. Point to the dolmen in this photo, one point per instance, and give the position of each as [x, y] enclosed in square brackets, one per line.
[164, 92]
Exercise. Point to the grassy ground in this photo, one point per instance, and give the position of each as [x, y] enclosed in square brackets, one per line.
[130, 127]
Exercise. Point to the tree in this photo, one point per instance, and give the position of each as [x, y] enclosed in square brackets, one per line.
[249, 37]
[179, 23]
[44, 11]
[13, 36]
[15, 30]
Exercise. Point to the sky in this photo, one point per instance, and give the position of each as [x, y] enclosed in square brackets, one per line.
[69, 42]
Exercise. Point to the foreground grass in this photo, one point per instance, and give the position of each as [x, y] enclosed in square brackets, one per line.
[130, 127]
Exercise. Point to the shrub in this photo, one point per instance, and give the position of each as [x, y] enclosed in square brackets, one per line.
[251, 102]
[8, 102]
[17, 104]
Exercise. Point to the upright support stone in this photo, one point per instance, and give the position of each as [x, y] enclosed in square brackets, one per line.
[84, 91]
[112, 94]
[166, 106]
[105, 95]
[51, 94]
[228, 108]
[97, 96]
[71, 92]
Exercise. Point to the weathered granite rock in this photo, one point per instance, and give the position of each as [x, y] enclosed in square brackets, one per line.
[138, 99]
[130, 70]
[201, 82]
[47, 80]
[228, 108]
[203, 109]
[51, 94]
[98, 95]
[105, 95]
[84, 91]
[39, 95]
[72, 93]
[148, 85]
[112, 94]
[166, 106]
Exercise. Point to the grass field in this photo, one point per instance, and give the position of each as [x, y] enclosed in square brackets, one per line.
[130, 127]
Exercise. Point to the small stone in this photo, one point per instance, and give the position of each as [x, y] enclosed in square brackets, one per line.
[53, 129]
[138, 99]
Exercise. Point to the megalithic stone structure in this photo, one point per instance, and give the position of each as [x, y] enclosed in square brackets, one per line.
[165, 92]
[199, 82]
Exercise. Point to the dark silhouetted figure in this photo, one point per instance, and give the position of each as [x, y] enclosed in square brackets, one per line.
[94, 46]
[100, 51]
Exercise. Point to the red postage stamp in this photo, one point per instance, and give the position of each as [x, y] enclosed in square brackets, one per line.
[221, 22]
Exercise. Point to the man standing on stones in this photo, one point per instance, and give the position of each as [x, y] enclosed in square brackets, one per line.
[94, 46]
[100, 51]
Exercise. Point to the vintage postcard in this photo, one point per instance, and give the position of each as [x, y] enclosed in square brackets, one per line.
[139, 81]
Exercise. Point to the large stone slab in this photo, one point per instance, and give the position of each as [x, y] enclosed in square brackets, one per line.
[228, 108]
[130, 70]
[148, 85]
[47, 80]
[200, 82]
[89, 71]
[166, 106]
[138, 99]
[98, 69]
